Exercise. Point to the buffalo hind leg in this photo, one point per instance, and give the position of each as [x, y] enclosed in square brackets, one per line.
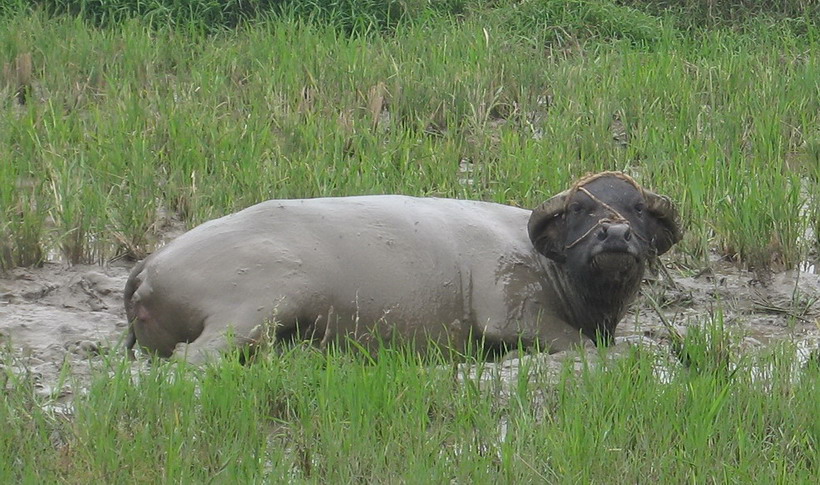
[225, 333]
[218, 336]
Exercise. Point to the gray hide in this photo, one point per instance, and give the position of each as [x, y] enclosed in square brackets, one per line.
[375, 268]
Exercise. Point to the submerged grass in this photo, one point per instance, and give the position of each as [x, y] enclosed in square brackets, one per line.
[304, 415]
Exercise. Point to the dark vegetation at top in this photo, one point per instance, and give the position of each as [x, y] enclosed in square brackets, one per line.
[349, 15]
[636, 19]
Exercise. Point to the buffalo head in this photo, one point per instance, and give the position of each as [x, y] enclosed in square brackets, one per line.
[604, 221]
[602, 231]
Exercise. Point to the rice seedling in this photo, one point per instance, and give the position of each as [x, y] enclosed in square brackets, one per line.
[299, 414]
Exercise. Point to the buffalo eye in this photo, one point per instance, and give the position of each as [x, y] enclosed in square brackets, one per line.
[639, 207]
[576, 208]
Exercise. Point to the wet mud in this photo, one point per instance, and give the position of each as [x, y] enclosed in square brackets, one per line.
[58, 323]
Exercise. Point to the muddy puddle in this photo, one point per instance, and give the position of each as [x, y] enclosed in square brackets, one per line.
[59, 321]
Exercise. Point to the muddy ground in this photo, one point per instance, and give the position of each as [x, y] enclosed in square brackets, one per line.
[57, 316]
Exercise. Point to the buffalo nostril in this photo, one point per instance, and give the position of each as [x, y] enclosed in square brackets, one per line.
[602, 234]
[614, 231]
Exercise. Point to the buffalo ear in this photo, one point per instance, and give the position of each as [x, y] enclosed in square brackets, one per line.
[547, 227]
[663, 209]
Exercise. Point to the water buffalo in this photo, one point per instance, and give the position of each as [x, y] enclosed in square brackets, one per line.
[382, 268]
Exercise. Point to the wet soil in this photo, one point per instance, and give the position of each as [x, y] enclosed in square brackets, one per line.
[60, 318]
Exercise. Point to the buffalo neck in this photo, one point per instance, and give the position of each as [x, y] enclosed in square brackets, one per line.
[591, 303]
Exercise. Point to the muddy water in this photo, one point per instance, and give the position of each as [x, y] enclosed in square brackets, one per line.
[57, 315]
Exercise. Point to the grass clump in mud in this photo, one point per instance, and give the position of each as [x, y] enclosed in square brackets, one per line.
[305, 415]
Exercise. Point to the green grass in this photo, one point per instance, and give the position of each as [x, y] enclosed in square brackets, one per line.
[301, 415]
[123, 128]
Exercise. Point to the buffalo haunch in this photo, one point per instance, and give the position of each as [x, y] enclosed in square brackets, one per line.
[391, 268]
